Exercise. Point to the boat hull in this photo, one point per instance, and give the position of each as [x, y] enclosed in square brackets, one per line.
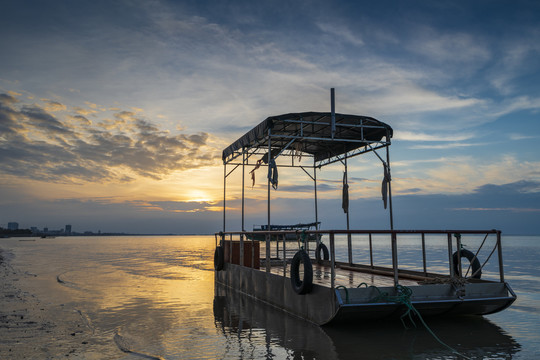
[317, 306]
[324, 305]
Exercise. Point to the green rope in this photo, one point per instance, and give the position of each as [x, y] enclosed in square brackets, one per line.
[303, 239]
[346, 293]
[404, 297]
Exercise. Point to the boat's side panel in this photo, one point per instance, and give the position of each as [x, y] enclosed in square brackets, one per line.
[318, 306]
[428, 300]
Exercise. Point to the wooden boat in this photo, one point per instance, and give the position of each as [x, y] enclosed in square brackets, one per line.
[235, 314]
[311, 281]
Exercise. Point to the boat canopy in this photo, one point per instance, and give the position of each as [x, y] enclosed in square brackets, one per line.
[323, 135]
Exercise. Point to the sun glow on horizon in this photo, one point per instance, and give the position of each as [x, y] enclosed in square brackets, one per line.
[195, 195]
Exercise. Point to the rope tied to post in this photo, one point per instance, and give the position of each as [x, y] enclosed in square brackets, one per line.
[346, 293]
[403, 296]
[301, 240]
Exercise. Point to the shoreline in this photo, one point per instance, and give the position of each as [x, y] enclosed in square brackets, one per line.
[33, 328]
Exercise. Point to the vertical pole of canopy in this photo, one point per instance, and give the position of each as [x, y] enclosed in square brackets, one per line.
[333, 110]
[499, 253]
[389, 184]
[268, 201]
[349, 239]
[316, 202]
[243, 180]
[395, 258]
[224, 192]
[243, 183]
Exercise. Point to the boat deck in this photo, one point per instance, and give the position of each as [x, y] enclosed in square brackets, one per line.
[344, 277]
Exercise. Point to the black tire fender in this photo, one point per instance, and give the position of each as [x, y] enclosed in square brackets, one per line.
[475, 263]
[219, 258]
[325, 253]
[304, 285]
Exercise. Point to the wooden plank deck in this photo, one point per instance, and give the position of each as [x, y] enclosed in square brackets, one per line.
[347, 278]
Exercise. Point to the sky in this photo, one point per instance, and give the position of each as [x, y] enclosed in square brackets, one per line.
[113, 114]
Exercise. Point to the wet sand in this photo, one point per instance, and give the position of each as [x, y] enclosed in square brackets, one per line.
[31, 328]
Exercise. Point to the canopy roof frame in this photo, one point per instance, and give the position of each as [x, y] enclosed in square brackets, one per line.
[313, 132]
[325, 137]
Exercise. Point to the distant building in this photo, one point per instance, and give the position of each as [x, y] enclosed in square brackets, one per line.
[13, 226]
[68, 229]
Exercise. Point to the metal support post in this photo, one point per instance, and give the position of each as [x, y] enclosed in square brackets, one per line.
[395, 259]
[349, 236]
[243, 185]
[450, 260]
[224, 193]
[458, 245]
[424, 253]
[284, 255]
[499, 255]
[332, 262]
[389, 186]
[370, 251]
[316, 202]
[333, 111]
[241, 250]
[268, 256]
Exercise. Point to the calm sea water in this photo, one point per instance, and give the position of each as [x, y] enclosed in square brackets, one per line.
[156, 296]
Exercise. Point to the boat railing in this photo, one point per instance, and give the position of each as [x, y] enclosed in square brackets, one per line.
[241, 248]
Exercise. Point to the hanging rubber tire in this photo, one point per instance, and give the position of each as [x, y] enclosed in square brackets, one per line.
[325, 253]
[475, 264]
[219, 258]
[301, 285]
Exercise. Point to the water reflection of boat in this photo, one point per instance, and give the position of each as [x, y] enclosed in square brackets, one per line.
[333, 289]
[236, 314]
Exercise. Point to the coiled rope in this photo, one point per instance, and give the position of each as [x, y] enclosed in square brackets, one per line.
[404, 297]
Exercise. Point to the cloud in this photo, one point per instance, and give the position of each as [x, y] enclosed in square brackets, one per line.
[176, 206]
[515, 136]
[514, 104]
[454, 47]
[80, 118]
[518, 187]
[518, 59]
[517, 197]
[341, 33]
[110, 214]
[420, 136]
[53, 106]
[511, 207]
[37, 144]
[309, 189]
[460, 174]
[42, 121]
[8, 98]
[499, 209]
[446, 146]
[83, 111]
